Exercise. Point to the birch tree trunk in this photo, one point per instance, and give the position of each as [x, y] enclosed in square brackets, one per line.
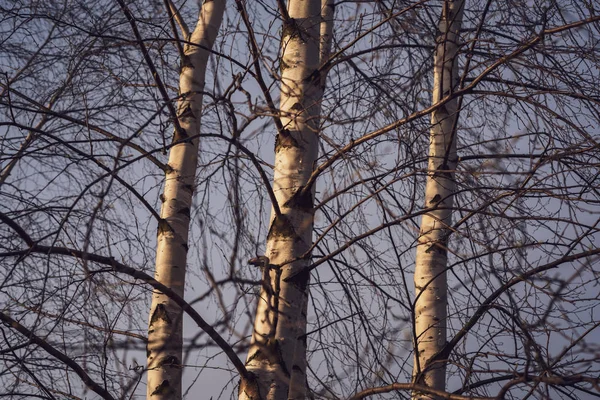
[165, 333]
[431, 257]
[277, 356]
[298, 380]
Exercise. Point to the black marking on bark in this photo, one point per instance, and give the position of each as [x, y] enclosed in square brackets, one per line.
[169, 169]
[163, 227]
[160, 313]
[300, 279]
[261, 261]
[443, 171]
[297, 106]
[185, 247]
[179, 135]
[285, 140]
[162, 198]
[148, 351]
[302, 199]
[269, 352]
[297, 369]
[187, 113]
[436, 199]
[314, 77]
[290, 29]
[439, 246]
[303, 339]
[281, 228]
[163, 389]
[264, 354]
[169, 361]
[258, 355]
[188, 188]
[443, 109]
[283, 65]
[186, 62]
[430, 249]
[274, 351]
[184, 211]
[249, 386]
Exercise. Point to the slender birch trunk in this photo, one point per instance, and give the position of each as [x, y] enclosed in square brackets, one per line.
[277, 356]
[298, 380]
[165, 333]
[431, 258]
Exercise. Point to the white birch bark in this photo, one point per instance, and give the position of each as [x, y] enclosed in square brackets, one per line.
[298, 380]
[165, 334]
[431, 257]
[278, 345]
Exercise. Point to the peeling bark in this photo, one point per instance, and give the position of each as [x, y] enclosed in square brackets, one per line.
[431, 258]
[277, 355]
[165, 335]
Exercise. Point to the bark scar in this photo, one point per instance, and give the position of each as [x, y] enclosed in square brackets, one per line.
[160, 313]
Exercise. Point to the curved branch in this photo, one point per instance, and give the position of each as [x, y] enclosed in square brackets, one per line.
[106, 169]
[175, 15]
[87, 380]
[458, 93]
[553, 380]
[161, 87]
[17, 228]
[254, 49]
[254, 161]
[88, 125]
[413, 387]
[488, 303]
[137, 274]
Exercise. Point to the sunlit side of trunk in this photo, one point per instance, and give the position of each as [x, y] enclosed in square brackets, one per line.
[165, 334]
[431, 257]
